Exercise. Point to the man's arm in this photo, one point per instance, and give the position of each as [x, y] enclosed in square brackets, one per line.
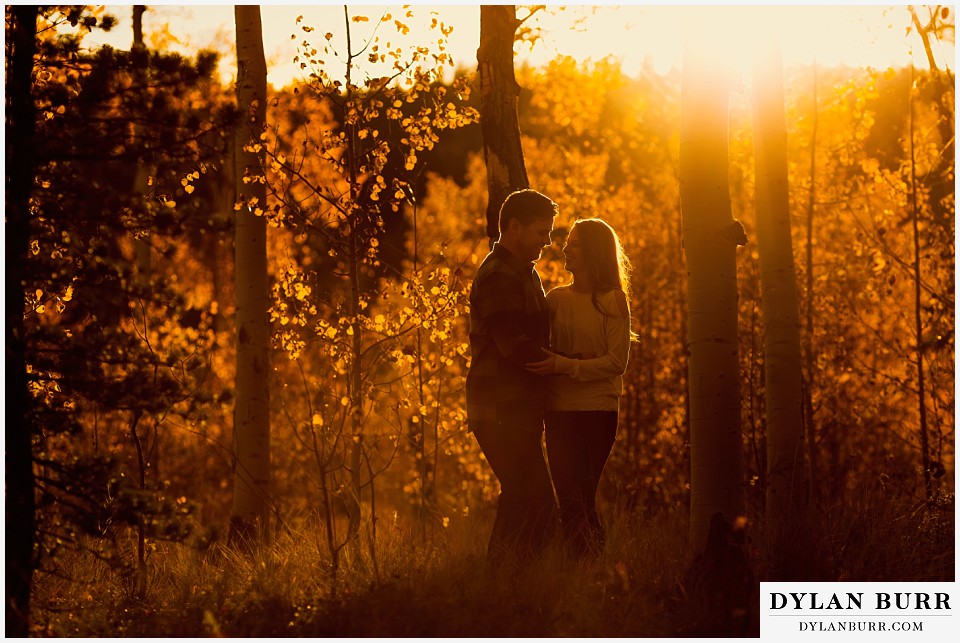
[499, 303]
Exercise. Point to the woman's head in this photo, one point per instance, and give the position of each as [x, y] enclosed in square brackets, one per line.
[594, 254]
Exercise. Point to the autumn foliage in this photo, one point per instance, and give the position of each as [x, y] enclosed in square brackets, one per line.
[374, 238]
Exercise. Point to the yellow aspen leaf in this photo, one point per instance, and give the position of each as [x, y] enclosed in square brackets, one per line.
[317, 420]
[189, 189]
[360, 19]
[68, 295]
[344, 401]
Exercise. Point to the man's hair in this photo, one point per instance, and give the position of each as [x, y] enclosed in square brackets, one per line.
[526, 206]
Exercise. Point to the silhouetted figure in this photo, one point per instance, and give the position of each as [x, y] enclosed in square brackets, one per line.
[590, 341]
[509, 327]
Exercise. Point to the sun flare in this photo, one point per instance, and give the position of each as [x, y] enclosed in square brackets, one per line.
[639, 36]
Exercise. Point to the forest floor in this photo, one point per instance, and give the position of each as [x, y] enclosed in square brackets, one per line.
[440, 585]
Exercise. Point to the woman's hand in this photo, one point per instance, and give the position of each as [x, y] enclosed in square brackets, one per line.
[544, 366]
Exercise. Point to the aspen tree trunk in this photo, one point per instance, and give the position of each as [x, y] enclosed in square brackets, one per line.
[499, 124]
[711, 236]
[144, 258]
[19, 517]
[779, 297]
[249, 516]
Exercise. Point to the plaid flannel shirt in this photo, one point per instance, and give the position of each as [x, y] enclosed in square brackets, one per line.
[509, 324]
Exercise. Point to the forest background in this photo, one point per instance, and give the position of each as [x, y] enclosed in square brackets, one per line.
[122, 303]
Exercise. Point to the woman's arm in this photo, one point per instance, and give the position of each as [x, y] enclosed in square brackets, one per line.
[614, 361]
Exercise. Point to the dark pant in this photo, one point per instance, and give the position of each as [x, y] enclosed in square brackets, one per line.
[526, 510]
[578, 444]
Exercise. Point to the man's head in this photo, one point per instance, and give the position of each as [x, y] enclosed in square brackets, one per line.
[526, 221]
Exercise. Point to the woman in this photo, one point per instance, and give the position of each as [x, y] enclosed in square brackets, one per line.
[590, 338]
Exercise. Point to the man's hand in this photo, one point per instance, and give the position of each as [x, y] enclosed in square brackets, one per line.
[545, 366]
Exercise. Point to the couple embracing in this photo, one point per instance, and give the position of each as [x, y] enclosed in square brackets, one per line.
[548, 363]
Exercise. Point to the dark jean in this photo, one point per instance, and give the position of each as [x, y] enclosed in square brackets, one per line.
[526, 509]
[578, 444]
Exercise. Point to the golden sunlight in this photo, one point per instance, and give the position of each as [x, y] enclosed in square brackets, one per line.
[638, 36]
[309, 361]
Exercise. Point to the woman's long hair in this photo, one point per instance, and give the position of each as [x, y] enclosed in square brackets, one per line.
[603, 258]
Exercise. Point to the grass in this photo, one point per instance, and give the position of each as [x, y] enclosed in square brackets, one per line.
[441, 586]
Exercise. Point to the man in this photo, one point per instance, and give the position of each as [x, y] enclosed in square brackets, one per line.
[509, 327]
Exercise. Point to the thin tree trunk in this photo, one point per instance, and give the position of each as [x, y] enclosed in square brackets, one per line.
[140, 578]
[144, 256]
[355, 254]
[499, 123]
[787, 554]
[711, 236]
[778, 295]
[20, 505]
[938, 179]
[250, 513]
[918, 309]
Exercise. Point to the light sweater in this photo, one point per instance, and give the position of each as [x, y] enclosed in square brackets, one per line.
[593, 349]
